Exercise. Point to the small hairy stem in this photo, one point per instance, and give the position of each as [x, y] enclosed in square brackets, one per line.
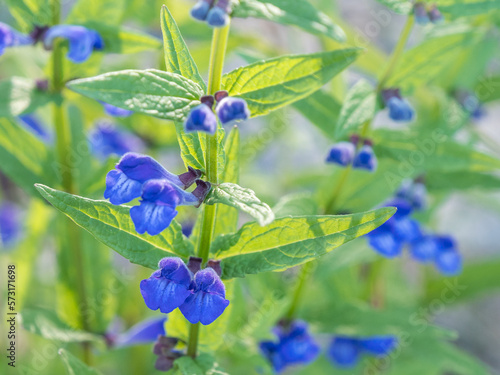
[217, 55]
[63, 140]
[302, 278]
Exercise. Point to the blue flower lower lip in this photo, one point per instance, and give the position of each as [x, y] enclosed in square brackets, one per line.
[82, 41]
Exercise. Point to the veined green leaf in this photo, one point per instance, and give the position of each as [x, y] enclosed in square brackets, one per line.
[359, 106]
[467, 8]
[290, 241]
[178, 59]
[398, 6]
[112, 226]
[46, 324]
[74, 366]
[151, 92]
[296, 204]
[243, 199]
[30, 12]
[297, 13]
[20, 95]
[271, 84]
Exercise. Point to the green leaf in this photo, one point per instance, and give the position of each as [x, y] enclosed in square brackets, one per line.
[46, 324]
[243, 199]
[359, 106]
[446, 181]
[178, 59]
[322, 110]
[201, 365]
[24, 158]
[290, 241]
[398, 6]
[108, 12]
[30, 12]
[122, 40]
[20, 95]
[467, 8]
[112, 226]
[271, 84]
[296, 13]
[488, 89]
[420, 152]
[74, 366]
[226, 220]
[151, 92]
[298, 204]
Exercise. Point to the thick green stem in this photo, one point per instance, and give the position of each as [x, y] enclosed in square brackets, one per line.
[217, 55]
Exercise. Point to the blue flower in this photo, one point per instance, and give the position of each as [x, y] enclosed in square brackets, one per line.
[207, 300]
[365, 159]
[144, 332]
[413, 192]
[232, 109]
[35, 126]
[10, 224]
[345, 352]
[383, 241]
[168, 287]
[124, 183]
[116, 111]
[200, 10]
[106, 139]
[201, 118]
[435, 15]
[342, 153]
[158, 205]
[218, 15]
[400, 109]
[11, 38]
[448, 260]
[82, 41]
[420, 13]
[424, 249]
[295, 346]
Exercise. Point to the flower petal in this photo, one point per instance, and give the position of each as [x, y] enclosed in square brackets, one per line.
[151, 217]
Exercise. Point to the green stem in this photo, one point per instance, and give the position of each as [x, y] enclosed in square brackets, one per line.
[302, 278]
[331, 206]
[398, 51]
[63, 140]
[217, 55]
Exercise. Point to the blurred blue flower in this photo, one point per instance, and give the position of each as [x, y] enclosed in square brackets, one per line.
[424, 249]
[342, 153]
[413, 192]
[10, 224]
[200, 10]
[36, 127]
[124, 183]
[208, 299]
[82, 41]
[12, 38]
[158, 205]
[116, 111]
[201, 118]
[345, 351]
[232, 109]
[435, 15]
[144, 332]
[420, 13]
[400, 109]
[365, 159]
[295, 346]
[168, 287]
[448, 260]
[107, 139]
[218, 16]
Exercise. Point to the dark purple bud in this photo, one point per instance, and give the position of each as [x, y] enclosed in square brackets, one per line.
[367, 142]
[219, 95]
[354, 139]
[201, 191]
[38, 33]
[420, 13]
[194, 264]
[208, 100]
[215, 265]
[190, 177]
[42, 84]
[435, 15]
[390, 93]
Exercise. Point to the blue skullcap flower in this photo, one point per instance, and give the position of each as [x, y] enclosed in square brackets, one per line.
[448, 260]
[11, 38]
[270, 350]
[342, 153]
[403, 207]
[144, 332]
[400, 109]
[35, 126]
[10, 224]
[384, 242]
[124, 183]
[106, 139]
[208, 299]
[344, 351]
[200, 10]
[201, 118]
[168, 287]
[421, 15]
[116, 111]
[365, 159]
[414, 192]
[379, 345]
[217, 17]
[424, 249]
[406, 229]
[232, 109]
[158, 206]
[82, 41]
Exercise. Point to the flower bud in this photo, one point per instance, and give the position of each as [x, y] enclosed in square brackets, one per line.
[201, 118]
[200, 10]
[342, 154]
[232, 109]
[365, 159]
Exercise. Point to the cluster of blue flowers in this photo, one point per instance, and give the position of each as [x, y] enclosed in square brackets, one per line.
[347, 153]
[10, 224]
[399, 109]
[426, 13]
[199, 294]
[216, 15]
[345, 352]
[228, 110]
[294, 346]
[161, 192]
[390, 238]
[81, 40]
